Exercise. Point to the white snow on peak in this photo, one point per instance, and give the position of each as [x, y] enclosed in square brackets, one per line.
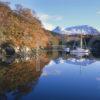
[81, 29]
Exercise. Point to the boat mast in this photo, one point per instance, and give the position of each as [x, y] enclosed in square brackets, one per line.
[81, 42]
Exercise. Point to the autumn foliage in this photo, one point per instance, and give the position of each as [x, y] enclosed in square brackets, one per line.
[21, 27]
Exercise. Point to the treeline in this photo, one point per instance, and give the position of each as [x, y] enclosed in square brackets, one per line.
[21, 27]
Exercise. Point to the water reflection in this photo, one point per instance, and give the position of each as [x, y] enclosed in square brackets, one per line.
[82, 60]
[22, 76]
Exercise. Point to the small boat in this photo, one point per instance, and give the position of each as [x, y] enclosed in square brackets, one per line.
[81, 49]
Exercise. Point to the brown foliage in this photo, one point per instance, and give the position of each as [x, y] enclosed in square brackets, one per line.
[21, 27]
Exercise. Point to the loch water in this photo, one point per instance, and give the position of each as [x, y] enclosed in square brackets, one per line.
[51, 76]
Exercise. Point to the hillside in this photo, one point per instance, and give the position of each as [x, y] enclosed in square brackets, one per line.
[21, 27]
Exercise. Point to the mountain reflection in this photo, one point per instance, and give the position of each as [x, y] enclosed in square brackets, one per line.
[83, 60]
[21, 77]
[76, 61]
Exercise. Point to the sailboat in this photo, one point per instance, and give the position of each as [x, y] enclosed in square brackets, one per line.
[80, 50]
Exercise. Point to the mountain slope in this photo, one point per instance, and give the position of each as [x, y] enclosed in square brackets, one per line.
[82, 29]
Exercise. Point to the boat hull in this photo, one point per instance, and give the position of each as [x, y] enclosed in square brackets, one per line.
[80, 51]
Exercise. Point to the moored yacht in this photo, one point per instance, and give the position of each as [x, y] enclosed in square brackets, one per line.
[81, 49]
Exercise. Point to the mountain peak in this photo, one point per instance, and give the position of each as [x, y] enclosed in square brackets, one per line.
[79, 29]
[58, 30]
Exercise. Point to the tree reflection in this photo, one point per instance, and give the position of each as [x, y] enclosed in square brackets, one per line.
[21, 77]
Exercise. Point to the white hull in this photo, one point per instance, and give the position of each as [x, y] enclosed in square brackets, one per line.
[80, 51]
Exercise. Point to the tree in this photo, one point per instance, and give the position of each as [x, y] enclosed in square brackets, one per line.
[26, 12]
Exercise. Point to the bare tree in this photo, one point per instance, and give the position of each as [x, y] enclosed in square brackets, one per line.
[25, 11]
[5, 3]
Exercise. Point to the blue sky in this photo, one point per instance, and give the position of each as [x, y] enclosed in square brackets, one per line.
[64, 13]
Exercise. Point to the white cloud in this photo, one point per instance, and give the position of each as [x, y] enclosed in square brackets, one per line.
[57, 18]
[43, 17]
[48, 26]
[47, 19]
[98, 12]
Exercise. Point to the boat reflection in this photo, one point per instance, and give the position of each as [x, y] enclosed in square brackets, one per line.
[22, 76]
[82, 60]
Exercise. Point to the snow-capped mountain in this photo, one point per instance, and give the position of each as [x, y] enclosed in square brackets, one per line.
[82, 29]
[58, 30]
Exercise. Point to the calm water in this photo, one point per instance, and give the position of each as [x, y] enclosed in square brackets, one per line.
[51, 76]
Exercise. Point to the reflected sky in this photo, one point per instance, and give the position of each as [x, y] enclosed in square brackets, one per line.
[57, 78]
[71, 81]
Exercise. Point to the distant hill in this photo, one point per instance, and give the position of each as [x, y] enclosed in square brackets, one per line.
[82, 29]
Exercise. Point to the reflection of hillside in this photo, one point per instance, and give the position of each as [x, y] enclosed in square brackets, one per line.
[22, 76]
[52, 55]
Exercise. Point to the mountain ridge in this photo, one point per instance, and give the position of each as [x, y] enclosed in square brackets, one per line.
[79, 29]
